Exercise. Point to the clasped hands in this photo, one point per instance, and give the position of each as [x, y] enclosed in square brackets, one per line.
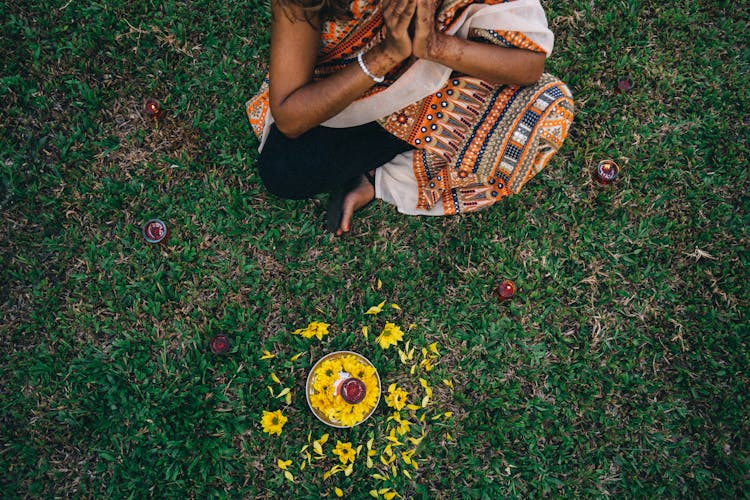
[399, 16]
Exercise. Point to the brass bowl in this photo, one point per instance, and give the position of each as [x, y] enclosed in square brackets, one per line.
[309, 390]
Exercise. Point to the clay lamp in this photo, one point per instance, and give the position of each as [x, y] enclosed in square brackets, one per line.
[153, 109]
[155, 231]
[505, 290]
[219, 344]
[606, 172]
[624, 85]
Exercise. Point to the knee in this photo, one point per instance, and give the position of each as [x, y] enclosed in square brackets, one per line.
[279, 180]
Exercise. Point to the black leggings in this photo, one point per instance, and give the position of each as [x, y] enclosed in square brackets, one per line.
[323, 159]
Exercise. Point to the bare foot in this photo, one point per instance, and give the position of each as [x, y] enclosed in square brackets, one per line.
[355, 199]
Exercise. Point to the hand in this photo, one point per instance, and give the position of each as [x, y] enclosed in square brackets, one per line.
[427, 39]
[397, 15]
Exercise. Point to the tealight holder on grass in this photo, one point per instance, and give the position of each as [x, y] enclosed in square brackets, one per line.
[505, 290]
[220, 344]
[606, 172]
[155, 231]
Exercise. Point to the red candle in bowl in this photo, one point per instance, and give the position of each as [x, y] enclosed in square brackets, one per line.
[624, 84]
[219, 344]
[606, 172]
[155, 231]
[505, 290]
[352, 390]
[152, 108]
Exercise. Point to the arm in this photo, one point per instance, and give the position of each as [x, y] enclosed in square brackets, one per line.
[297, 102]
[488, 62]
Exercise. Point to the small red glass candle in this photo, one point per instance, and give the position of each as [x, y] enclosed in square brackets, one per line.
[352, 390]
[152, 108]
[624, 84]
[505, 290]
[606, 172]
[155, 231]
[220, 344]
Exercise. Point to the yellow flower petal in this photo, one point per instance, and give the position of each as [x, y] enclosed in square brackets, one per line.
[283, 392]
[376, 309]
[448, 383]
[433, 347]
[333, 470]
[288, 475]
[365, 332]
[275, 378]
[297, 356]
[396, 307]
[380, 284]
[267, 355]
[338, 491]
[283, 464]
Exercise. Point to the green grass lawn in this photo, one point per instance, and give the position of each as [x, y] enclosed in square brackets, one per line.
[620, 369]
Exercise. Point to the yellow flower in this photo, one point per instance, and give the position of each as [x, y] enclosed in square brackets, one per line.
[272, 422]
[390, 335]
[339, 492]
[314, 329]
[283, 464]
[345, 452]
[396, 397]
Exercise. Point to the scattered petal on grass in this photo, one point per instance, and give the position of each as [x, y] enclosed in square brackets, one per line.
[365, 332]
[374, 493]
[349, 469]
[288, 475]
[333, 470]
[283, 392]
[447, 382]
[275, 378]
[267, 355]
[396, 307]
[380, 284]
[376, 309]
[283, 464]
[338, 491]
[433, 348]
[297, 356]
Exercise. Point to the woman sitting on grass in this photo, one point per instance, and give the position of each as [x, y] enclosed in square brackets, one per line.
[436, 106]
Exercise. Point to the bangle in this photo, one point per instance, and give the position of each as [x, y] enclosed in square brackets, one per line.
[366, 71]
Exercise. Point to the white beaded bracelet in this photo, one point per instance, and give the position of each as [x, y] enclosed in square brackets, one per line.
[361, 61]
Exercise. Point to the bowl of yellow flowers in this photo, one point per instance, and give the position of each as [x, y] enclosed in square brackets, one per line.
[343, 389]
